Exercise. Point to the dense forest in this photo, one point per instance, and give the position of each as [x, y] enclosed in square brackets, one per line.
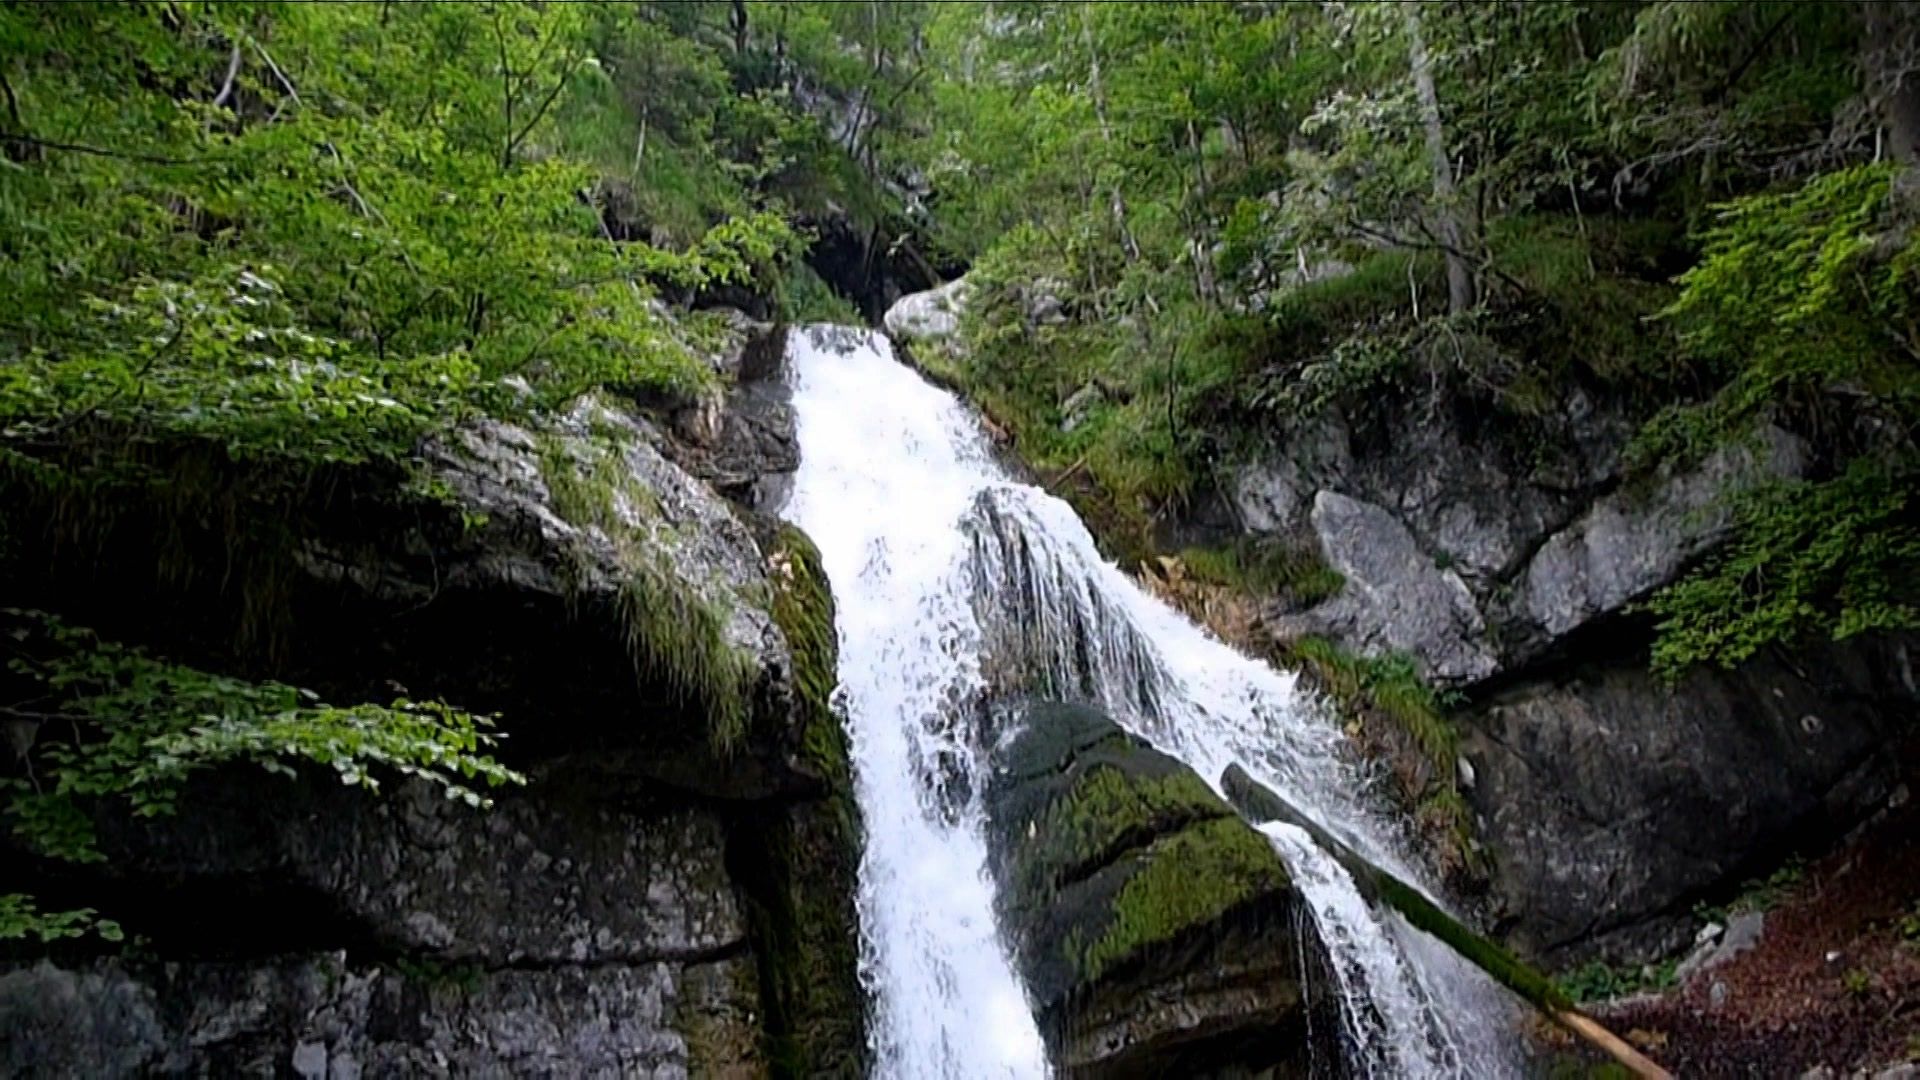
[253, 251]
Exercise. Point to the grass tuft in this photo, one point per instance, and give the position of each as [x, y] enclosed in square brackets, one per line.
[674, 633]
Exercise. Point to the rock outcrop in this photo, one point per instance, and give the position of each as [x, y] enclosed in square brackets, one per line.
[1614, 804]
[671, 894]
[1155, 929]
[1503, 556]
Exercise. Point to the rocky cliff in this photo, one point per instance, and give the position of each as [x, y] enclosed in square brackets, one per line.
[1505, 557]
[1501, 553]
[670, 893]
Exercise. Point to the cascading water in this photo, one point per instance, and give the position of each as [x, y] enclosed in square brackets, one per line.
[946, 571]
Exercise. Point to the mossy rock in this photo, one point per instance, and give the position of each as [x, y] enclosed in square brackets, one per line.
[799, 861]
[1155, 929]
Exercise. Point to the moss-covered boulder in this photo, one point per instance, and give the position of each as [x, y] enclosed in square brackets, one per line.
[1158, 932]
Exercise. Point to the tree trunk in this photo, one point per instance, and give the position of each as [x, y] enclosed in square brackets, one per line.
[1118, 202]
[739, 22]
[1462, 295]
[1259, 803]
[1889, 58]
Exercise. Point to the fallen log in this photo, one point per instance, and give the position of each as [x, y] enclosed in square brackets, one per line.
[1259, 803]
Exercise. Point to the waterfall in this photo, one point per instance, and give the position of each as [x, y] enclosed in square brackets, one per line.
[950, 575]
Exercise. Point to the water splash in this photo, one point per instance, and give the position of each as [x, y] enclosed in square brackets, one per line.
[951, 578]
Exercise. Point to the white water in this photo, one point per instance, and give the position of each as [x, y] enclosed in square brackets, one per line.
[946, 570]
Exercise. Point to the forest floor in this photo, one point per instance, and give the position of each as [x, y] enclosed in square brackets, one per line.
[1833, 982]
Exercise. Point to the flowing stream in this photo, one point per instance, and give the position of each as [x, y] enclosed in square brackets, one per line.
[945, 568]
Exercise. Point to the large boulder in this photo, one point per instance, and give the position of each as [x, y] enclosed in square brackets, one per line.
[1632, 541]
[933, 315]
[1395, 598]
[1614, 804]
[1158, 933]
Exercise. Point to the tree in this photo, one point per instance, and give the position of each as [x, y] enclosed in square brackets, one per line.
[1461, 290]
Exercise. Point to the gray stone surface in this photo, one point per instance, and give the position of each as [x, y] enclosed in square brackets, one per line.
[1633, 541]
[550, 875]
[496, 470]
[1610, 801]
[929, 316]
[1395, 598]
[1741, 933]
[1502, 553]
[323, 1016]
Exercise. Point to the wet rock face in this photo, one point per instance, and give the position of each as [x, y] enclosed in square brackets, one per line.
[1157, 932]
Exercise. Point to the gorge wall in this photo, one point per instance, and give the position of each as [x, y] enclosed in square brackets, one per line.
[670, 893]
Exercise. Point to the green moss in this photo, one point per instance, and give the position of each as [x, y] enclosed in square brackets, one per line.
[679, 637]
[1189, 879]
[799, 862]
[803, 609]
[1106, 806]
[433, 973]
[1262, 567]
[673, 632]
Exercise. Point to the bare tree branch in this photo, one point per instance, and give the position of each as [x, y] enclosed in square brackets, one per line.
[233, 70]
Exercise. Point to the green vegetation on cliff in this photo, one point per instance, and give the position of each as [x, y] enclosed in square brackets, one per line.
[258, 255]
[674, 630]
[1192, 224]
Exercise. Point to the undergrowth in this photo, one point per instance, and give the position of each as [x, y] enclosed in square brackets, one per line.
[1600, 981]
[1259, 566]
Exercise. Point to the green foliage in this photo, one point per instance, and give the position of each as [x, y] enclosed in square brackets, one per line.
[805, 297]
[1600, 981]
[21, 919]
[1836, 558]
[1390, 685]
[129, 730]
[1858, 982]
[1803, 309]
[349, 251]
